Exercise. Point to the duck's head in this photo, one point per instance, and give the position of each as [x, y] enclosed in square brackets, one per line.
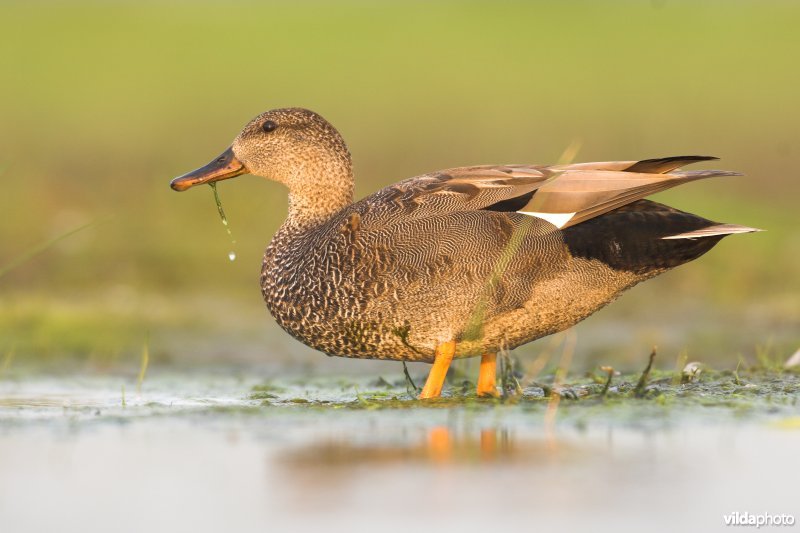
[291, 146]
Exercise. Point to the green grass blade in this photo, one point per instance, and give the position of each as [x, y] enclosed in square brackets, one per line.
[39, 248]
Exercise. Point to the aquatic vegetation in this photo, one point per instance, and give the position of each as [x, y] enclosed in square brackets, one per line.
[756, 390]
[218, 201]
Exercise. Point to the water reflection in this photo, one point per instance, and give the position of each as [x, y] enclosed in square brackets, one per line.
[442, 467]
[439, 445]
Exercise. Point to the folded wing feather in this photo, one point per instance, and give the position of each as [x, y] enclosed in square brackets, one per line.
[578, 195]
[564, 195]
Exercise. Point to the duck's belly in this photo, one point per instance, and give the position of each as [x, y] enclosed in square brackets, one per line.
[409, 325]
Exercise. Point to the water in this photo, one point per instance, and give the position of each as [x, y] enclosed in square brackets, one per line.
[231, 254]
[194, 451]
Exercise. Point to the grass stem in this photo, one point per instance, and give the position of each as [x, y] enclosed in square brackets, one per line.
[39, 248]
[143, 366]
[638, 392]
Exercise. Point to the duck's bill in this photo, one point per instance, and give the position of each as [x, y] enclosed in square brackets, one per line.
[221, 168]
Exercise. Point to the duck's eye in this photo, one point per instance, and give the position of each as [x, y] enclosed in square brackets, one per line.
[269, 126]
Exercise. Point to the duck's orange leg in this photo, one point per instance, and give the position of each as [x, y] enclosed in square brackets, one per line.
[441, 362]
[488, 376]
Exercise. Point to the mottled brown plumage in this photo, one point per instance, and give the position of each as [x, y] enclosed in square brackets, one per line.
[490, 257]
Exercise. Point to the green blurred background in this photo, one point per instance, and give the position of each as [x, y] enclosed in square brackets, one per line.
[102, 103]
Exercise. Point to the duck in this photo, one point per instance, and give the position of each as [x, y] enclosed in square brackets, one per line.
[462, 262]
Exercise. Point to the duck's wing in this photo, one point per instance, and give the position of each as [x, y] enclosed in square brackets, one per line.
[563, 195]
[660, 165]
[451, 190]
[576, 196]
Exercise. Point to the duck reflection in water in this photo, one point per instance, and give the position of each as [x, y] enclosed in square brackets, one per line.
[438, 445]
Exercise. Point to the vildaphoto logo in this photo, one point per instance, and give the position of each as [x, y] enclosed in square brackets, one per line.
[764, 519]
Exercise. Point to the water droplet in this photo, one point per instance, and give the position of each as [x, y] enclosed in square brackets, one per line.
[232, 256]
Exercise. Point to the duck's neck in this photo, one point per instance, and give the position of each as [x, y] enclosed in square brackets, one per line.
[310, 210]
[319, 194]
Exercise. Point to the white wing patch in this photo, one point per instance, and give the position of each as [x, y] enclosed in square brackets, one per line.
[559, 220]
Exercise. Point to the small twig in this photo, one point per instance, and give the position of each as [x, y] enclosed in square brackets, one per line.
[638, 392]
[610, 371]
[413, 390]
[508, 381]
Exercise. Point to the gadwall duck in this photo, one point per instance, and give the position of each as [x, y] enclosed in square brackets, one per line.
[456, 263]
